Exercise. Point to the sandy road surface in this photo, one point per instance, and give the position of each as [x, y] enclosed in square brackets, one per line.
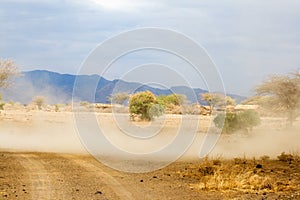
[66, 176]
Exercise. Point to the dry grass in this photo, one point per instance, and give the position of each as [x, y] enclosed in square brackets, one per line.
[245, 175]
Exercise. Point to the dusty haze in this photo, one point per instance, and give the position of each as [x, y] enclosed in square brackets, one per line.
[56, 132]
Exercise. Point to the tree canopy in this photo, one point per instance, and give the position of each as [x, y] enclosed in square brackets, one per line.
[8, 69]
[217, 100]
[145, 105]
[282, 94]
[120, 98]
[234, 121]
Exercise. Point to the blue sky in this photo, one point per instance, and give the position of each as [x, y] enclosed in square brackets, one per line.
[248, 40]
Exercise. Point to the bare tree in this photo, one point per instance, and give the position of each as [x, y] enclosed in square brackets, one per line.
[120, 98]
[283, 94]
[8, 70]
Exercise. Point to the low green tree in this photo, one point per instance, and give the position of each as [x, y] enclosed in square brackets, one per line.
[145, 105]
[175, 99]
[231, 121]
[156, 110]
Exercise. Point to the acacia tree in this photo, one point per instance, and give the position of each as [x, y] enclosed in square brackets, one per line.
[283, 94]
[8, 69]
[212, 99]
[216, 99]
[120, 98]
[230, 101]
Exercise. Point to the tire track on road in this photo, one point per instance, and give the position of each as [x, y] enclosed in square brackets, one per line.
[41, 180]
[98, 171]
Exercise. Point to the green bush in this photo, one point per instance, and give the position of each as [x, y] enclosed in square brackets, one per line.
[2, 105]
[248, 119]
[231, 122]
[175, 99]
[227, 124]
[56, 107]
[145, 105]
[156, 110]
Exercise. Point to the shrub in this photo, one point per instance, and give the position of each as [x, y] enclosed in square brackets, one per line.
[145, 105]
[120, 98]
[56, 107]
[232, 122]
[39, 101]
[228, 122]
[2, 105]
[283, 157]
[84, 104]
[156, 110]
[248, 119]
[174, 99]
[11, 102]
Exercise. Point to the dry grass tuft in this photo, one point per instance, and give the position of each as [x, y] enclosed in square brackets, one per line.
[289, 158]
[241, 174]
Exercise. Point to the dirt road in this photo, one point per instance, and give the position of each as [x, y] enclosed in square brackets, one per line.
[69, 176]
[65, 176]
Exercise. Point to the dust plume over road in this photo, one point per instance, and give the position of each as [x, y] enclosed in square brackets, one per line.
[56, 132]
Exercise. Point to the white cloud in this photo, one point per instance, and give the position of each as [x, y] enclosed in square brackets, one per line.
[242, 37]
[119, 5]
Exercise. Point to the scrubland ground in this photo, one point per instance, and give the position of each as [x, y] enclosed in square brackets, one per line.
[42, 158]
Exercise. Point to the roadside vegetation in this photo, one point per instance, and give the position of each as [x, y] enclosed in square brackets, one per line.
[217, 100]
[8, 70]
[145, 106]
[237, 121]
[39, 101]
[279, 95]
[255, 175]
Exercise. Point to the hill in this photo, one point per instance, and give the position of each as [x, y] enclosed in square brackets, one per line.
[58, 88]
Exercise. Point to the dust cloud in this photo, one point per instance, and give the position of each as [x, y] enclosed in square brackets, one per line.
[56, 132]
[39, 131]
[258, 143]
[52, 95]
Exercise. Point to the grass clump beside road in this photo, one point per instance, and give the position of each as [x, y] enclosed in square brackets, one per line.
[247, 175]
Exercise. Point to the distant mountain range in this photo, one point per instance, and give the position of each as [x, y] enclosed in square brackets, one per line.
[58, 88]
